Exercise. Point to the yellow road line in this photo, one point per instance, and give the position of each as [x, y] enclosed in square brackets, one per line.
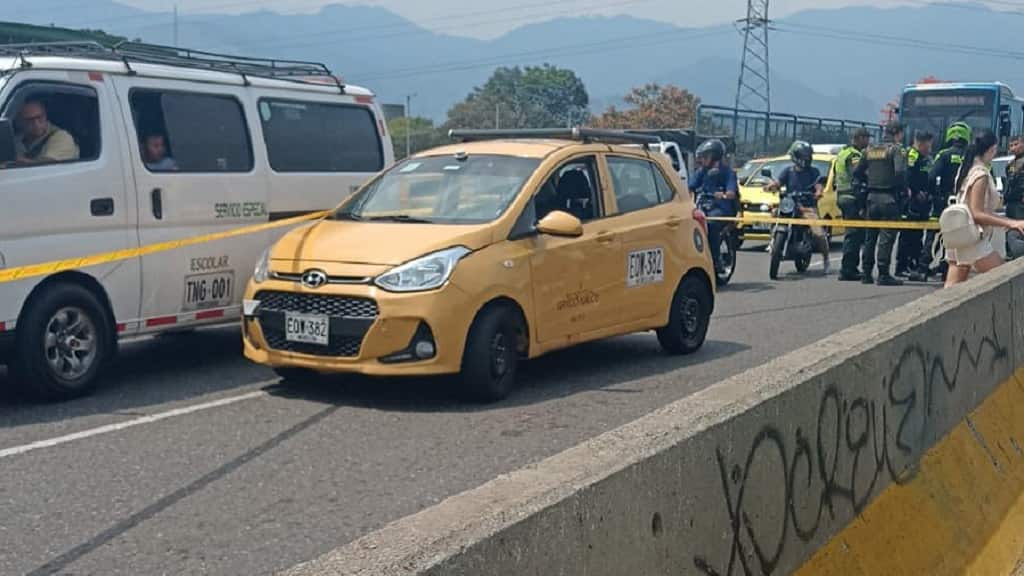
[53, 267]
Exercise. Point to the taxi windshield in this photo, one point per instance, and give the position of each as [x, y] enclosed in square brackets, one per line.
[776, 167]
[471, 189]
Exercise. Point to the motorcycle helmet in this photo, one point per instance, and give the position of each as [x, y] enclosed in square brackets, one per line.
[714, 148]
[958, 131]
[801, 154]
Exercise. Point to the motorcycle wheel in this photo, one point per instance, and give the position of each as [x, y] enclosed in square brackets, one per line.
[803, 263]
[778, 244]
[728, 255]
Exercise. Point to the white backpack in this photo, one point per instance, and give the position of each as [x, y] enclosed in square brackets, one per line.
[956, 223]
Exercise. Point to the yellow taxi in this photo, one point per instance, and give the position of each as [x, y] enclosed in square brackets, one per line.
[759, 205]
[469, 258]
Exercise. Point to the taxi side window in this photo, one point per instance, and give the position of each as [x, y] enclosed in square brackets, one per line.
[573, 188]
[638, 184]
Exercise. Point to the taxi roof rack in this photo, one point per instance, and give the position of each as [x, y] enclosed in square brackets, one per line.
[576, 133]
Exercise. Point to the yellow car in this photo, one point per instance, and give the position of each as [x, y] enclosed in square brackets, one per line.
[758, 204]
[468, 258]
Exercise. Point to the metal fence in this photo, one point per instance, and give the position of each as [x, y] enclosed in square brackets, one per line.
[768, 134]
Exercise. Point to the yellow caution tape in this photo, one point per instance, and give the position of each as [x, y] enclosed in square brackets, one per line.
[878, 224]
[47, 268]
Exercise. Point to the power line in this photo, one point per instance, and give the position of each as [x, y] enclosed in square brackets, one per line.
[636, 41]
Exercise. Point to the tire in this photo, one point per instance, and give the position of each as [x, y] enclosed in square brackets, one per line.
[777, 245]
[63, 339]
[728, 252]
[490, 361]
[803, 263]
[689, 318]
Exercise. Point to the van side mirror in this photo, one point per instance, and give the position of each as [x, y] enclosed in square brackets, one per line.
[558, 223]
[8, 149]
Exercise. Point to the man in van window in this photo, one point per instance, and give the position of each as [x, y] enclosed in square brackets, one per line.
[39, 141]
[154, 153]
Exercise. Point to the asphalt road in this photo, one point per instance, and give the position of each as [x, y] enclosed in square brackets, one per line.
[189, 460]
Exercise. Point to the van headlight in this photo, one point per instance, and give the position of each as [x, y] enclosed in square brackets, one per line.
[262, 271]
[424, 273]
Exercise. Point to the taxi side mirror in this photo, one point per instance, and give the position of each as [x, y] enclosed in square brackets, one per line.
[8, 148]
[766, 172]
[560, 223]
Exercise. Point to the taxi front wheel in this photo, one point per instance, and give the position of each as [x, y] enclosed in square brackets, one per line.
[689, 318]
[491, 358]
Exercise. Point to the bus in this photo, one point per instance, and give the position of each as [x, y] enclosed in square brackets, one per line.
[982, 105]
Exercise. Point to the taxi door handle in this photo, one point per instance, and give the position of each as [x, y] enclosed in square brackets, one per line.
[673, 222]
[606, 237]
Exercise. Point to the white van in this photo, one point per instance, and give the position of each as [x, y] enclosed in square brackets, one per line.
[142, 144]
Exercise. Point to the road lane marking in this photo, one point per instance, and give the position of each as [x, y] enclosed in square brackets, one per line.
[109, 428]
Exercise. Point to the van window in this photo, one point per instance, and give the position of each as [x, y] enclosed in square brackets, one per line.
[199, 132]
[54, 123]
[320, 137]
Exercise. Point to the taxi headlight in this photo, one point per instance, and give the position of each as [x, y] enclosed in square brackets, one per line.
[262, 271]
[424, 273]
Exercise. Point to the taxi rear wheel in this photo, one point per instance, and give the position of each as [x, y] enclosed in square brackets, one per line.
[689, 318]
[491, 358]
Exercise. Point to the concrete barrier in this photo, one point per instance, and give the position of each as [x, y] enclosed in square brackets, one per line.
[754, 475]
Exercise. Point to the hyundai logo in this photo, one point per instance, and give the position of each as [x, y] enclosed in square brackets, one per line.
[314, 278]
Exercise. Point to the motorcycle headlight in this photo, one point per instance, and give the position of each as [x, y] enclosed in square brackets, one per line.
[424, 273]
[788, 205]
[262, 271]
[766, 208]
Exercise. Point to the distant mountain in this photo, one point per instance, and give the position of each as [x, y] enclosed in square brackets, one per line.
[12, 33]
[841, 63]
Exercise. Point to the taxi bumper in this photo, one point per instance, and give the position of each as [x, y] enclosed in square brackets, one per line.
[371, 331]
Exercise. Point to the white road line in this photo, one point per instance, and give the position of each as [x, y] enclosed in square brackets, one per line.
[17, 450]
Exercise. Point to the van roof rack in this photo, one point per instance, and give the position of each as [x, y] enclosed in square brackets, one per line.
[140, 52]
[577, 133]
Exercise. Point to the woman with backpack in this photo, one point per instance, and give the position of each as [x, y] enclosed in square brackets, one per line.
[967, 225]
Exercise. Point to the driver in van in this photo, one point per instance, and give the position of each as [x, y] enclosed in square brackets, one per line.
[39, 141]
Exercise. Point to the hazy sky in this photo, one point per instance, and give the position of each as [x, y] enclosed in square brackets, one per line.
[503, 15]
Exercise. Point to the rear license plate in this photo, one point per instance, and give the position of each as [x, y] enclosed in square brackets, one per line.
[307, 328]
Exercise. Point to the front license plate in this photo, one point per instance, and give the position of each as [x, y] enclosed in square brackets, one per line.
[307, 328]
[215, 290]
[645, 267]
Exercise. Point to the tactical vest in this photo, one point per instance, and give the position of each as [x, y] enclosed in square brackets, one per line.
[1014, 190]
[844, 180]
[882, 172]
[947, 179]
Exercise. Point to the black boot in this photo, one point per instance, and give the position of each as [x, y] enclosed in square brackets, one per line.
[847, 276]
[918, 276]
[867, 278]
[886, 280]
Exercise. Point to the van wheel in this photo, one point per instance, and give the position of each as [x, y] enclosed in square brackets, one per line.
[491, 359]
[61, 343]
[689, 318]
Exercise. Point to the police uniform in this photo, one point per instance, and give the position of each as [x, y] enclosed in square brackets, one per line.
[1013, 197]
[918, 209]
[851, 203]
[942, 183]
[883, 170]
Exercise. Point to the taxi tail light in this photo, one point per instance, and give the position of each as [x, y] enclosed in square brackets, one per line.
[701, 219]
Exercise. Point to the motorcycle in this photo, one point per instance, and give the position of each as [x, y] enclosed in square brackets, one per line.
[728, 239]
[791, 241]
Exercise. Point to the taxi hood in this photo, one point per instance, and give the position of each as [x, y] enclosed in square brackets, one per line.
[375, 243]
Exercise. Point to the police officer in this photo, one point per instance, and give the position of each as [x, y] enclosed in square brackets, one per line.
[942, 179]
[1013, 196]
[851, 202]
[919, 203]
[716, 178]
[883, 170]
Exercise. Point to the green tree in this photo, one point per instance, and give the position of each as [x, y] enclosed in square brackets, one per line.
[531, 97]
[652, 106]
[421, 131]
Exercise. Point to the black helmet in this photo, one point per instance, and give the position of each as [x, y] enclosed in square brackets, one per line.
[801, 153]
[714, 148]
